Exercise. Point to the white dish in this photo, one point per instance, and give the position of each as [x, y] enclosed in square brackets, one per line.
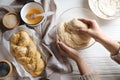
[103, 9]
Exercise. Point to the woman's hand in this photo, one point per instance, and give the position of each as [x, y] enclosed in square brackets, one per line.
[93, 29]
[66, 51]
[73, 54]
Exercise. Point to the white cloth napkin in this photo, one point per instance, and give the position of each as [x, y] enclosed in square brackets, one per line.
[55, 61]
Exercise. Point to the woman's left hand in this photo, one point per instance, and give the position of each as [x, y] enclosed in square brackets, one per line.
[66, 51]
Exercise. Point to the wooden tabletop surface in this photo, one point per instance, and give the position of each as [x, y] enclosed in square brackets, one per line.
[96, 56]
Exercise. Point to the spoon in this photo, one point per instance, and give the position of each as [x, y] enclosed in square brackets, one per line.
[34, 15]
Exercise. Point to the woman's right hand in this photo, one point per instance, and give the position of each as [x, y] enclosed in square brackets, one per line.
[93, 29]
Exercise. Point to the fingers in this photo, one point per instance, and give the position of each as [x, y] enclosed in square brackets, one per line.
[61, 49]
[60, 44]
[89, 22]
[82, 30]
[64, 49]
[57, 38]
[57, 41]
[86, 21]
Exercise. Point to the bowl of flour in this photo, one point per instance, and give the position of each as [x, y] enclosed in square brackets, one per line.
[105, 9]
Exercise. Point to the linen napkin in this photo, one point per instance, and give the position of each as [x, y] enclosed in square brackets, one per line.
[56, 62]
[46, 30]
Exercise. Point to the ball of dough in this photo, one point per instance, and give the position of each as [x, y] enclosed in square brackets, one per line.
[68, 33]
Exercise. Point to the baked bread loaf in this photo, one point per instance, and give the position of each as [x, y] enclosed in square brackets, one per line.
[26, 53]
[67, 31]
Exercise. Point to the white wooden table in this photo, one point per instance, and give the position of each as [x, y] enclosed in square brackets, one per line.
[96, 56]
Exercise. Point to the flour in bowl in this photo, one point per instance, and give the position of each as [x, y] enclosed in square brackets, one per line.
[109, 7]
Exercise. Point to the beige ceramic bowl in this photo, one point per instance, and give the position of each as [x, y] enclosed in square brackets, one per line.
[4, 64]
[11, 20]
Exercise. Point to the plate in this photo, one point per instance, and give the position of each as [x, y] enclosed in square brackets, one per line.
[77, 12]
[105, 9]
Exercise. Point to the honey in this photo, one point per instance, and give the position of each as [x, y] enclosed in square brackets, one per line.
[37, 19]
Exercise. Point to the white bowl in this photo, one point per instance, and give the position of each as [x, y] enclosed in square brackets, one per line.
[26, 8]
[105, 9]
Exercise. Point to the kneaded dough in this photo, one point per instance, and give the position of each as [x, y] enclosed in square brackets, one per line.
[68, 33]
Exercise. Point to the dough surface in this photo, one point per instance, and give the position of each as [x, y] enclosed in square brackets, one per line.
[26, 53]
[68, 33]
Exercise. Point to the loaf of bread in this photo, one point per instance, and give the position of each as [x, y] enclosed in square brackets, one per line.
[68, 33]
[26, 53]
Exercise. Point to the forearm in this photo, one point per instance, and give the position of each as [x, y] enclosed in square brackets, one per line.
[111, 45]
[82, 66]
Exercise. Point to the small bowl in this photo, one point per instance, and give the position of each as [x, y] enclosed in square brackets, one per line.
[11, 20]
[4, 74]
[26, 9]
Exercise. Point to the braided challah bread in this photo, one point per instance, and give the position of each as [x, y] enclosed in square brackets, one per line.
[26, 53]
